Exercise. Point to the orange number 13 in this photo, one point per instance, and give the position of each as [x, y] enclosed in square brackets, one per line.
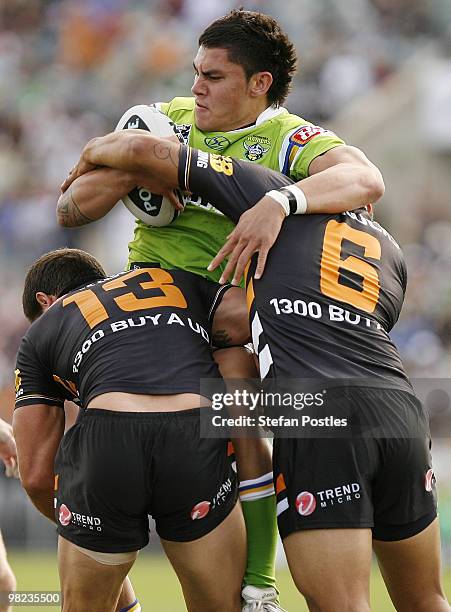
[94, 312]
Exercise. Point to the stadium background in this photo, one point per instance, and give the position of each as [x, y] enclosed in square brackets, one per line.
[378, 72]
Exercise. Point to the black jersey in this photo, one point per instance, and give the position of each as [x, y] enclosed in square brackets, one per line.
[333, 286]
[145, 331]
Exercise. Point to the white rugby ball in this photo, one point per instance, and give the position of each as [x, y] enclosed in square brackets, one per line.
[151, 208]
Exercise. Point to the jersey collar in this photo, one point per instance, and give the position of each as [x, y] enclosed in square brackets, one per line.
[269, 113]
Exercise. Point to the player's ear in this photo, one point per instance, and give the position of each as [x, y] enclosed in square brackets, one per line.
[259, 83]
[44, 300]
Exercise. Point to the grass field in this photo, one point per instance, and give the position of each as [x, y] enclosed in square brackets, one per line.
[157, 587]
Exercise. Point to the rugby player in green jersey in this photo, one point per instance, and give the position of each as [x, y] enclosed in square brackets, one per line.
[243, 71]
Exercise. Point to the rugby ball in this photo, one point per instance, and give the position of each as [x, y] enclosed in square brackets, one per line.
[151, 208]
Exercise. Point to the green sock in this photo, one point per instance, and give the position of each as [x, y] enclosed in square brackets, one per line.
[261, 526]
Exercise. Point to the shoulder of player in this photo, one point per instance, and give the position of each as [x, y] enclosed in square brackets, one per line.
[282, 120]
[289, 130]
[299, 141]
[298, 129]
[360, 219]
[177, 108]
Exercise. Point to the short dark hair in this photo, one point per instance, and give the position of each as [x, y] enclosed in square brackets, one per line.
[57, 273]
[257, 43]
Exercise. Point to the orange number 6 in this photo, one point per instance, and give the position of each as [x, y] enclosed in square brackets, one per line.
[331, 264]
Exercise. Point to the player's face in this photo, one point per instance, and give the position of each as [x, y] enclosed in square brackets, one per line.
[223, 95]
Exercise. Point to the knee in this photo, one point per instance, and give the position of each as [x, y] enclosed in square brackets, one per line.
[95, 600]
[331, 600]
[315, 605]
[7, 579]
[437, 602]
[229, 602]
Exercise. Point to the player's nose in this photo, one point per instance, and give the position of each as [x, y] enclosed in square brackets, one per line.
[198, 88]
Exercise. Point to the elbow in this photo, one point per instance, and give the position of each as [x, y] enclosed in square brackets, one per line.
[63, 218]
[36, 483]
[373, 185]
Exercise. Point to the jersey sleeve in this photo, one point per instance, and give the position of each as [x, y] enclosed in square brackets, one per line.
[212, 295]
[300, 147]
[33, 384]
[231, 185]
[395, 303]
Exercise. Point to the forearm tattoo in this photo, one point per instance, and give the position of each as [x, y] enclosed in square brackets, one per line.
[165, 151]
[68, 213]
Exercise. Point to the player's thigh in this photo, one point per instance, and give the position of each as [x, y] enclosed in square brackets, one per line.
[330, 565]
[87, 583]
[411, 569]
[253, 454]
[325, 516]
[211, 568]
[236, 362]
[404, 487]
[98, 506]
[253, 457]
[194, 504]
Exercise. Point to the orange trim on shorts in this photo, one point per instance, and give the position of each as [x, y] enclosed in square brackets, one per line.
[280, 484]
[250, 294]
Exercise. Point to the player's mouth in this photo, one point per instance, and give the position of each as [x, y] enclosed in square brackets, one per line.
[200, 107]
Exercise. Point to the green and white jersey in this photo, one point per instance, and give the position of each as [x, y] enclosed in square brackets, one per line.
[277, 140]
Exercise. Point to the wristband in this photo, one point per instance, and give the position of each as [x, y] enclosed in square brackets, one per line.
[296, 198]
[291, 198]
[281, 198]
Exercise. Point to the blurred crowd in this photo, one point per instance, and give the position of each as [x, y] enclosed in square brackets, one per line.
[69, 69]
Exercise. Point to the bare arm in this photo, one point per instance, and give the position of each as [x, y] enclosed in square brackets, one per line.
[109, 168]
[38, 430]
[341, 179]
[92, 195]
[133, 151]
[137, 151]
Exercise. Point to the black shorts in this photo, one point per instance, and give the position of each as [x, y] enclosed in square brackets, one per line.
[113, 469]
[378, 477]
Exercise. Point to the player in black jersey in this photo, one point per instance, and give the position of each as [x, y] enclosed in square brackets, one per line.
[131, 350]
[332, 290]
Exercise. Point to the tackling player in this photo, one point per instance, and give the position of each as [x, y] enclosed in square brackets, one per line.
[131, 349]
[332, 290]
[243, 72]
[8, 454]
